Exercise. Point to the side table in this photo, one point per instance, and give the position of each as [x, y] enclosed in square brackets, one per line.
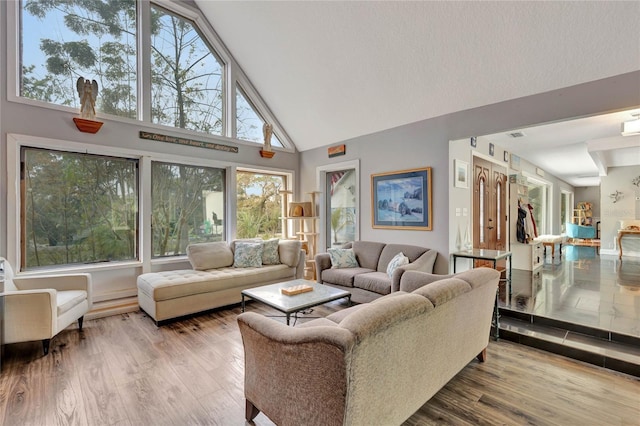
[493, 256]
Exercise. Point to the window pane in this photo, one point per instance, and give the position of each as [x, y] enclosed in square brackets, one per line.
[249, 123]
[342, 214]
[187, 83]
[259, 204]
[78, 208]
[64, 40]
[188, 207]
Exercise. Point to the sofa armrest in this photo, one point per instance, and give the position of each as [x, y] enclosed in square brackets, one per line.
[305, 365]
[323, 261]
[423, 264]
[29, 315]
[412, 280]
[57, 282]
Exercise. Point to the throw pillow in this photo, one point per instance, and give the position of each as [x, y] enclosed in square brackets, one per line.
[398, 260]
[205, 256]
[247, 255]
[270, 255]
[343, 258]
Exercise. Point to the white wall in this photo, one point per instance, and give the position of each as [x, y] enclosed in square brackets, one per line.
[589, 194]
[627, 207]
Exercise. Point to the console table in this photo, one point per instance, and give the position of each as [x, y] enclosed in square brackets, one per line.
[622, 233]
[492, 256]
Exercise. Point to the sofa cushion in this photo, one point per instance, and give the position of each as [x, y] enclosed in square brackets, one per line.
[247, 255]
[318, 322]
[342, 276]
[398, 260]
[289, 251]
[337, 317]
[390, 250]
[203, 256]
[377, 282]
[168, 285]
[368, 253]
[270, 255]
[442, 291]
[343, 258]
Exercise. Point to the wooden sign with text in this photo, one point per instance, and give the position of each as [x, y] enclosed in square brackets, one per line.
[190, 142]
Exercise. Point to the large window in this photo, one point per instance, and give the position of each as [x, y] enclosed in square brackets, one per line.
[259, 204]
[248, 122]
[77, 208]
[186, 85]
[188, 206]
[64, 40]
[177, 79]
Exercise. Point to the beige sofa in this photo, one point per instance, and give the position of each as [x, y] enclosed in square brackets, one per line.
[371, 364]
[214, 281]
[369, 280]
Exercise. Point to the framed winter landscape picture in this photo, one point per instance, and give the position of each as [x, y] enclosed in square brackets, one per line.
[402, 200]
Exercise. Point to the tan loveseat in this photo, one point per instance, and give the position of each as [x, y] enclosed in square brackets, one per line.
[371, 364]
[370, 280]
[214, 281]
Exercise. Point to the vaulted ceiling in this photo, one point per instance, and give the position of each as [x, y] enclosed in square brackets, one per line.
[331, 71]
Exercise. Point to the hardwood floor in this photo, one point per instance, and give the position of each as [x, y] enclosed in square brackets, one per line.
[123, 370]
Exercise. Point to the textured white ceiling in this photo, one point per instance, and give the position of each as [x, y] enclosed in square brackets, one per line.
[331, 71]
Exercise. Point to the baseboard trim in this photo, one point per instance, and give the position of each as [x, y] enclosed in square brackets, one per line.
[113, 307]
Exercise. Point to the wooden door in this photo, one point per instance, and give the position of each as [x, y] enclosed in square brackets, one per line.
[489, 205]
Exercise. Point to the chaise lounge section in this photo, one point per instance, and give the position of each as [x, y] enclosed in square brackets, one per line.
[216, 280]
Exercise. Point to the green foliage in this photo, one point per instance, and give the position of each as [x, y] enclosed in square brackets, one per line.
[79, 208]
[259, 205]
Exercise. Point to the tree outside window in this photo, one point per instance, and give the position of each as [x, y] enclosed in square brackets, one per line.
[64, 40]
[78, 208]
[259, 204]
[188, 207]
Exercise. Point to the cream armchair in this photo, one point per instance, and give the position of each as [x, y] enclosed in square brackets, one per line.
[39, 307]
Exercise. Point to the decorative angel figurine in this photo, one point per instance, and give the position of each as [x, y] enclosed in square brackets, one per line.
[267, 130]
[88, 91]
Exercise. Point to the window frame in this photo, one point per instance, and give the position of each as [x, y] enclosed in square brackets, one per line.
[232, 75]
[145, 259]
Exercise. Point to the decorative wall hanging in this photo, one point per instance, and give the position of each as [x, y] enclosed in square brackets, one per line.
[88, 92]
[492, 149]
[615, 196]
[636, 181]
[402, 200]
[460, 174]
[190, 142]
[335, 151]
[474, 142]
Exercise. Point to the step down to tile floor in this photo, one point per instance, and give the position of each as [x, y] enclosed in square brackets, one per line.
[594, 346]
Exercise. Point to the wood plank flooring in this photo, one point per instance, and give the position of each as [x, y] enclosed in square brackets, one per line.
[123, 370]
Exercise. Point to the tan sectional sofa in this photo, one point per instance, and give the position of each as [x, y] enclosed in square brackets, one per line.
[369, 280]
[214, 281]
[371, 364]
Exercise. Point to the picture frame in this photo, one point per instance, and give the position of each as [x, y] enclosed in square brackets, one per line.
[492, 149]
[474, 142]
[402, 200]
[460, 174]
[505, 157]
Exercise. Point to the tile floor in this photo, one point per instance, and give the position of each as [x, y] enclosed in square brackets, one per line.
[581, 287]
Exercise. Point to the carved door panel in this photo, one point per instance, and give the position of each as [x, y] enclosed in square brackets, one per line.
[489, 205]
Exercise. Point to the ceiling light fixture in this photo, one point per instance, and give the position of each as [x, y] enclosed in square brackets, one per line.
[630, 128]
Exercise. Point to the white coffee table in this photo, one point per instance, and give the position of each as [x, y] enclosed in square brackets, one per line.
[270, 295]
